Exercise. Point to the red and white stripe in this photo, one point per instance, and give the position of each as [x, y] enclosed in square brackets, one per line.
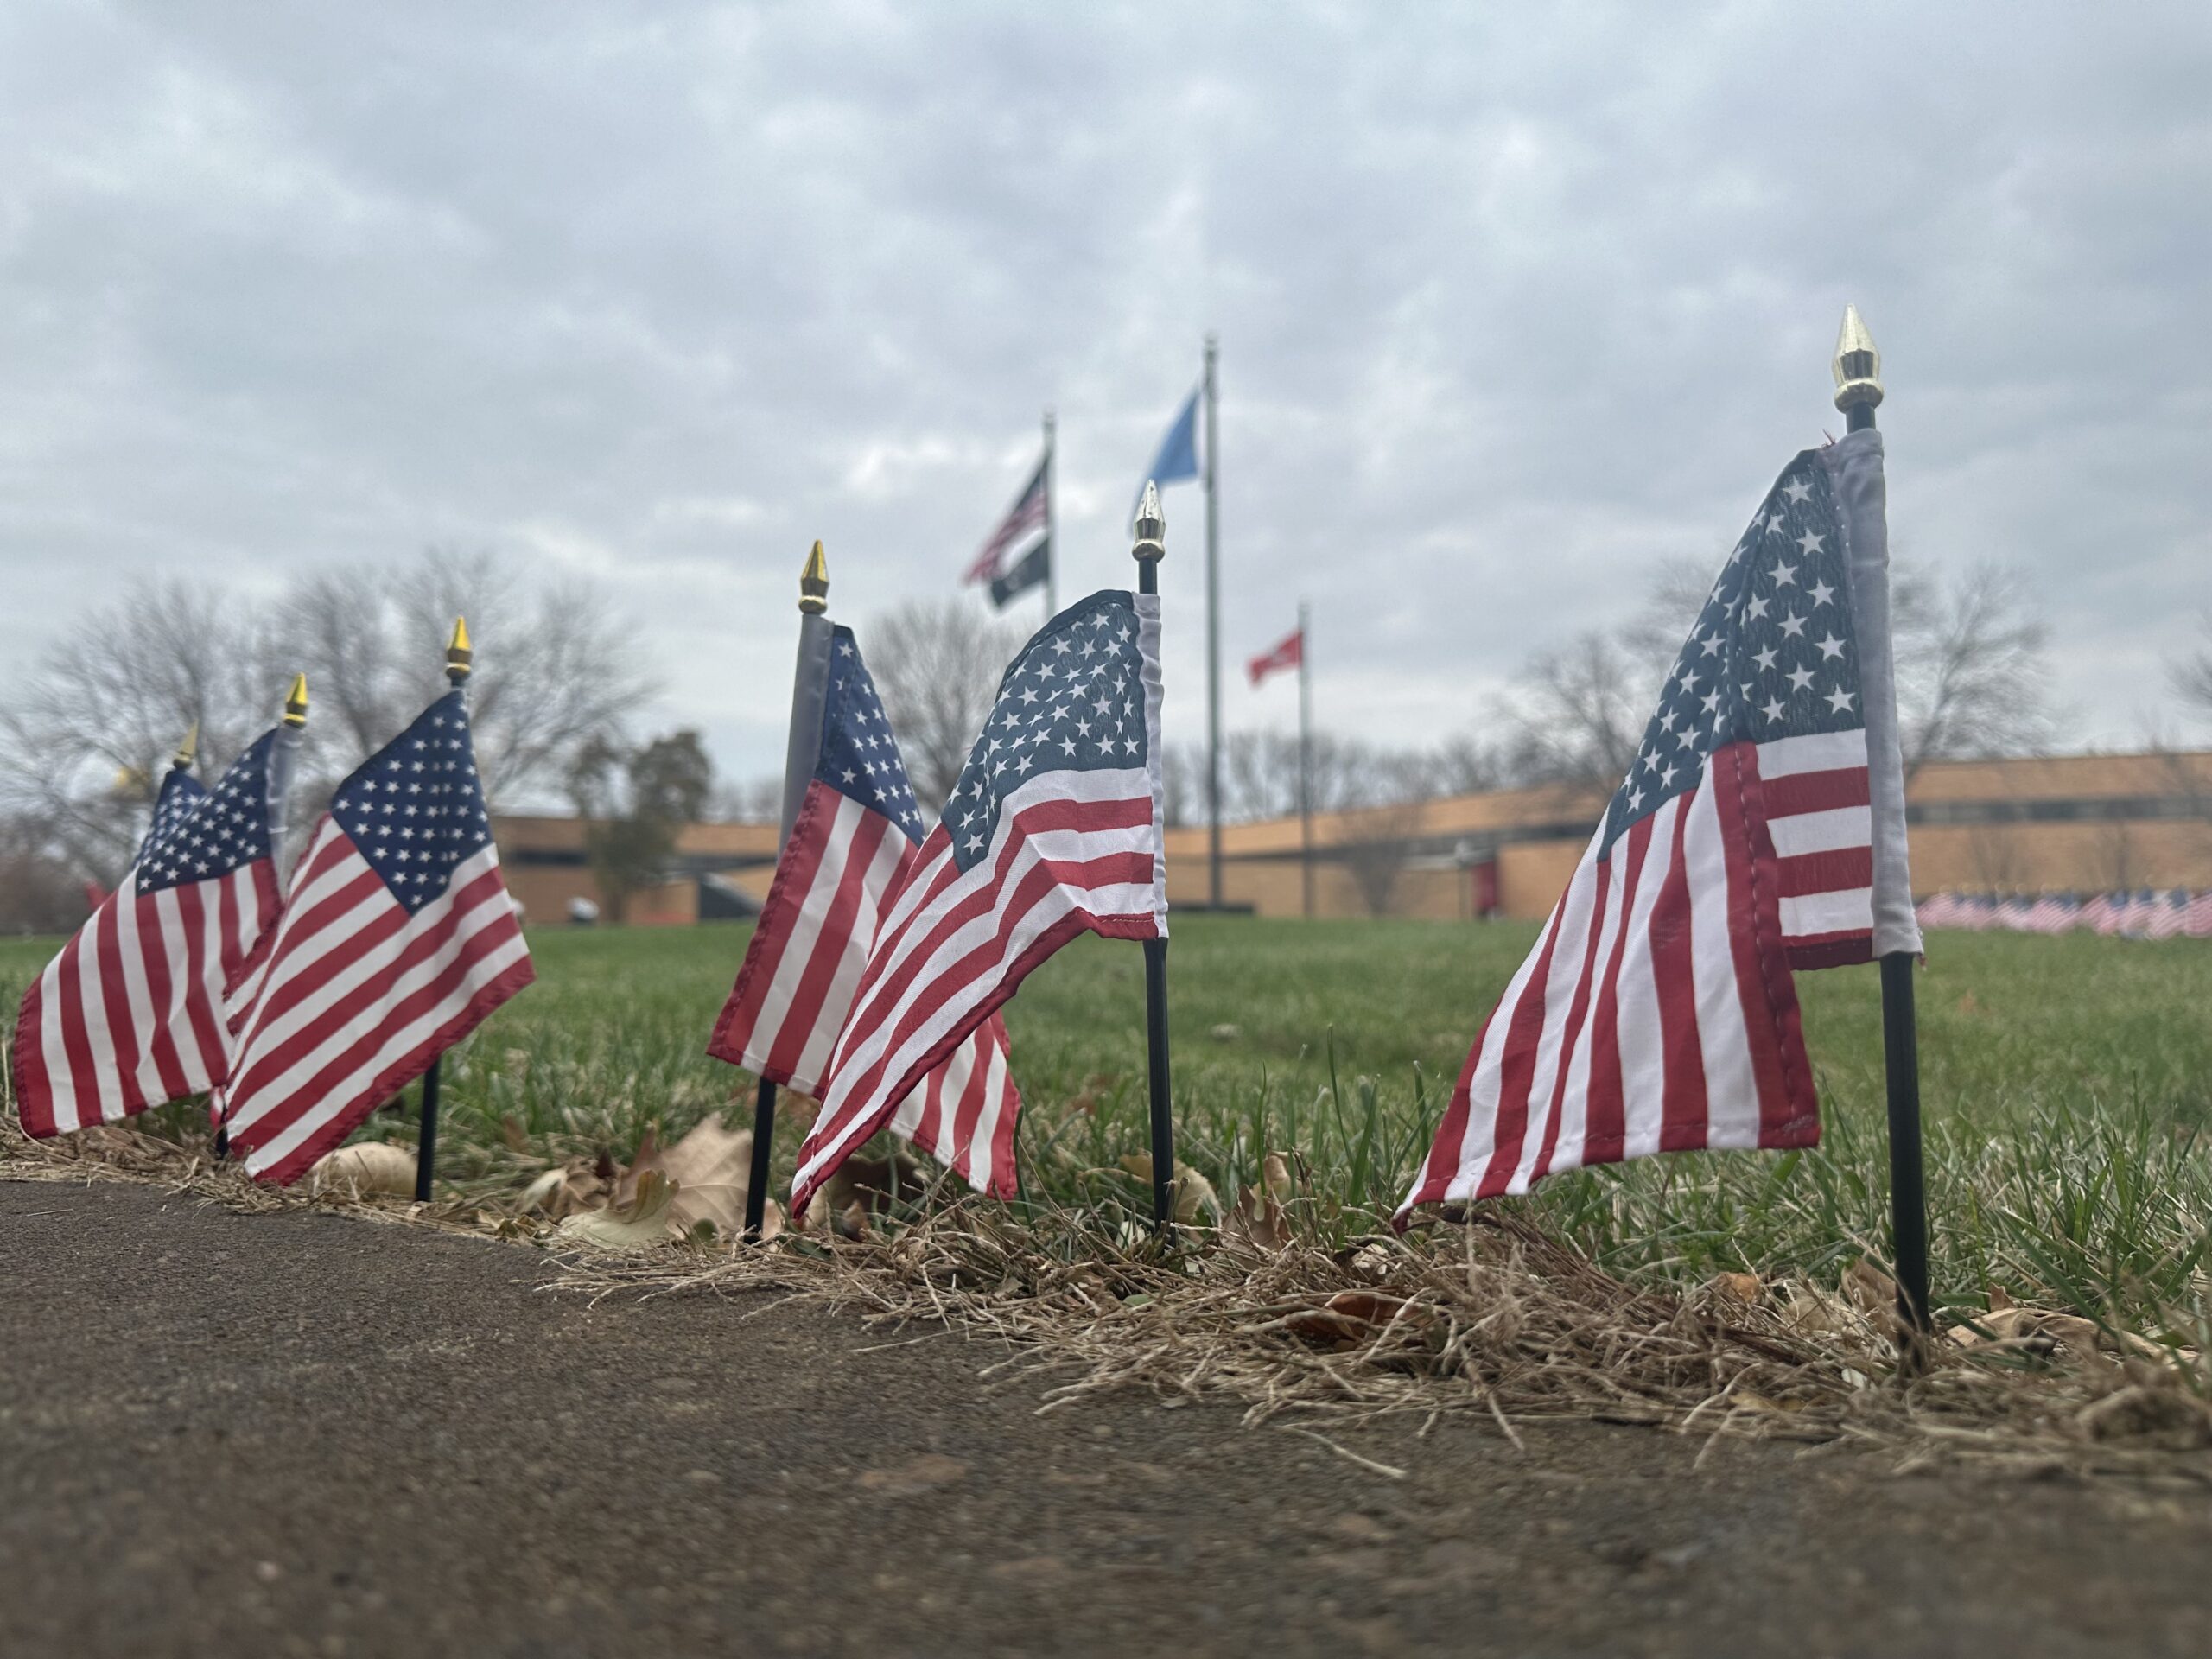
[1657, 1013]
[1814, 794]
[1025, 515]
[1072, 853]
[129, 1015]
[2196, 920]
[804, 964]
[357, 997]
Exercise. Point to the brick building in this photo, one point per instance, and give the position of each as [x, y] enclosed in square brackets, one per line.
[2068, 822]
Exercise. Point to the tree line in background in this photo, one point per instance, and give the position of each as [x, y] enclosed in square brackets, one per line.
[87, 733]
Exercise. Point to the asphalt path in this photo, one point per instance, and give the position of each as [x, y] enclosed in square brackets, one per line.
[303, 1433]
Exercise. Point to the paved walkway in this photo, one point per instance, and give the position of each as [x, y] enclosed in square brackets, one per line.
[240, 1435]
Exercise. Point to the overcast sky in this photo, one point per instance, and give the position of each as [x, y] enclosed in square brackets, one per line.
[1512, 304]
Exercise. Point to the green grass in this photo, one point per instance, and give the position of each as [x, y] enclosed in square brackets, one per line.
[2067, 1085]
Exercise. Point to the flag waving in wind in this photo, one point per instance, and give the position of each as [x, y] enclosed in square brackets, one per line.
[396, 940]
[1179, 451]
[1029, 513]
[856, 831]
[1287, 653]
[1052, 830]
[130, 1014]
[1761, 827]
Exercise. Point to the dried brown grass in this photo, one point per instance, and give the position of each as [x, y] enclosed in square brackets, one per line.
[1493, 1317]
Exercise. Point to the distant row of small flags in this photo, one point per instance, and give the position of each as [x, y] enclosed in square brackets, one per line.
[2146, 913]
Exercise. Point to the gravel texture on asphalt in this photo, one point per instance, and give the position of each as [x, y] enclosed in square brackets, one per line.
[301, 1433]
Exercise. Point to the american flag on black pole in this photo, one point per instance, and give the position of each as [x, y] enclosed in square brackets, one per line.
[1025, 515]
[1052, 830]
[130, 1014]
[857, 829]
[1761, 827]
[396, 940]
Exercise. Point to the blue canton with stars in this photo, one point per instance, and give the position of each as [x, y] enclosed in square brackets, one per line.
[201, 835]
[1072, 702]
[860, 758]
[180, 793]
[415, 809]
[1773, 655]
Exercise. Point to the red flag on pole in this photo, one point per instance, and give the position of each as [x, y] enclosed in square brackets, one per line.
[1288, 654]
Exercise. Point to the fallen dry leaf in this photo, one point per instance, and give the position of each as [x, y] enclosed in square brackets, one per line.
[1257, 1219]
[1354, 1317]
[371, 1167]
[711, 1168]
[1193, 1192]
[643, 1220]
[1873, 1293]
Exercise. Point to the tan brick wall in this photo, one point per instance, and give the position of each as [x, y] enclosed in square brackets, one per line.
[1261, 867]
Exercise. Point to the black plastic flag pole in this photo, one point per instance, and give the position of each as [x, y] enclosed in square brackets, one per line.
[1305, 757]
[1858, 369]
[1150, 548]
[459, 658]
[808, 696]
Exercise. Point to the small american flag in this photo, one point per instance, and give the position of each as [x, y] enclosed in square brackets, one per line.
[857, 829]
[1026, 514]
[396, 940]
[2169, 916]
[128, 1015]
[1052, 830]
[1657, 1012]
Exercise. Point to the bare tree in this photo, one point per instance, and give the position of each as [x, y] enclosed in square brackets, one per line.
[1969, 662]
[1970, 667]
[83, 741]
[1578, 714]
[2190, 673]
[937, 664]
[92, 724]
[1379, 857]
[555, 668]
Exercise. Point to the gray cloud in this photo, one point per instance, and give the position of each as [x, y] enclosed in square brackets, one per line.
[1510, 306]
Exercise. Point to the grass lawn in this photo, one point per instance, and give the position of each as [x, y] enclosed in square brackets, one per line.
[2067, 1083]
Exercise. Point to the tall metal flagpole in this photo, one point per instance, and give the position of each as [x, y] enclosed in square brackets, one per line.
[1858, 389]
[804, 743]
[1051, 549]
[1213, 632]
[291, 730]
[459, 657]
[1305, 759]
[1151, 547]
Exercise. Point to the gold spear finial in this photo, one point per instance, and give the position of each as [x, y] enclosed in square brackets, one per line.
[1152, 526]
[814, 583]
[295, 702]
[187, 750]
[1858, 364]
[459, 656]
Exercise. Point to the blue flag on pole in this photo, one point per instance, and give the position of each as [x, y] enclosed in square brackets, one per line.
[1179, 451]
